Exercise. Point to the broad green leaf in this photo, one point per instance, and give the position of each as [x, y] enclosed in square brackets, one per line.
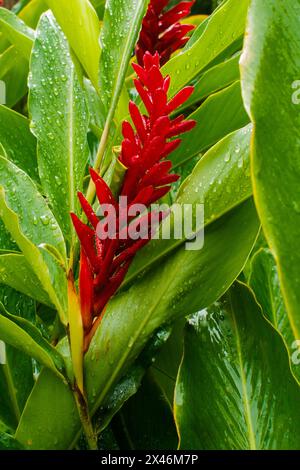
[17, 141]
[270, 94]
[146, 420]
[99, 6]
[7, 59]
[18, 303]
[131, 381]
[31, 12]
[23, 335]
[127, 387]
[59, 120]
[156, 299]
[95, 107]
[27, 217]
[15, 73]
[81, 25]
[167, 362]
[220, 181]
[8, 442]
[159, 297]
[264, 281]
[16, 31]
[59, 429]
[220, 114]
[121, 25]
[214, 79]
[7, 244]
[16, 373]
[224, 27]
[235, 390]
[17, 273]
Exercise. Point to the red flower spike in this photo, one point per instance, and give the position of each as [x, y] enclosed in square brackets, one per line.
[146, 144]
[86, 236]
[103, 192]
[162, 30]
[87, 209]
[181, 97]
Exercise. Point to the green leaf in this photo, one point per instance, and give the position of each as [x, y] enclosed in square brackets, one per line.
[59, 120]
[214, 79]
[16, 374]
[96, 108]
[131, 381]
[80, 23]
[99, 6]
[17, 141]
[219, 115]
[264, 281]
[58, 430]
[33, 227]
[16, 31]
[8, 442]
[31, 12]
[155, 299]
[168, 360]
[220, 180]
[23, 335]
[146, 420]
[14, 74]
[268, 82]
[17, 273]
[243, 368]
[159, 297]
[121, 25]
[224, 27]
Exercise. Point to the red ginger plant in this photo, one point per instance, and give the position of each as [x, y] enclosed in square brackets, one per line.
[162, 31]
[146, 144]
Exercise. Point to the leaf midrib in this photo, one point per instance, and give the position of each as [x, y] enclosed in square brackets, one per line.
[245, 398]
[71, 146]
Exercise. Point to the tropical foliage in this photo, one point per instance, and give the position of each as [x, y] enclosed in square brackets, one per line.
[146, 344]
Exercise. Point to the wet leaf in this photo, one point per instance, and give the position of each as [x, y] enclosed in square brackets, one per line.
[20, 35]
[27, 217]
[233, 384]
[17, 141]
[80, 24]
[269, 82]
[59, 120]
[228, 22]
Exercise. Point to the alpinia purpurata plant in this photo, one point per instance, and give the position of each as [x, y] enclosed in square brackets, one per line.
[105, 262]
[114, 114]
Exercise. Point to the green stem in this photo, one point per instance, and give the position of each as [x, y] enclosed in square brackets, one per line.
[101, 150]
[86, 421]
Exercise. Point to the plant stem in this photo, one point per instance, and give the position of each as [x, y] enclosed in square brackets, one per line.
[85, 419]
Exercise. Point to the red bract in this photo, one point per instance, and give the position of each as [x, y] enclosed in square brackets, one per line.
[161, 31]
[146, 144]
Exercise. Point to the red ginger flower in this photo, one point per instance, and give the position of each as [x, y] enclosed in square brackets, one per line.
[104, 263]
[161, 31]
